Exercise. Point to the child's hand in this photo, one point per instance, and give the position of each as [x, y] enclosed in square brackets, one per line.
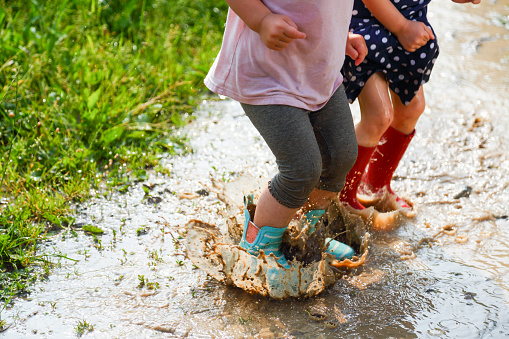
[414, 34]
[475, 2]
[277, 31]
[356, 47]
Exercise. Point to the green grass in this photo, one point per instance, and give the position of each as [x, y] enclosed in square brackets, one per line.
[83, 327]
[90, 91]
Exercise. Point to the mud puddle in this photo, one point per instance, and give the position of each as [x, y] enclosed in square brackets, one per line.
[443, 274]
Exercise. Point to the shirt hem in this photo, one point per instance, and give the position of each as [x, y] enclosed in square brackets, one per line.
[276, 99]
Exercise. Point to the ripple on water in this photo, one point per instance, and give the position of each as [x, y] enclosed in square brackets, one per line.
[450, 290]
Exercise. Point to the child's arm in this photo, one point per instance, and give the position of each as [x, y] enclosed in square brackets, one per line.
[276, 30]
[411, 34]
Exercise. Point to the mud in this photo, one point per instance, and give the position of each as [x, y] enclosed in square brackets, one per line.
[214, 249]
[442, 274]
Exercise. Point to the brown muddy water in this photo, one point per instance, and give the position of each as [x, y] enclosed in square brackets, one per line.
[443, 274]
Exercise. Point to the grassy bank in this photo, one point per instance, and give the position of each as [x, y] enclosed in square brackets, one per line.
[90, 91]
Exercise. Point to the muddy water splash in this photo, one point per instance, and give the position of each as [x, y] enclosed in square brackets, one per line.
[443, 274]
[215, 250]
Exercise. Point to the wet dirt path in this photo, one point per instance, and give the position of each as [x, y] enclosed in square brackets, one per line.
[443, 274]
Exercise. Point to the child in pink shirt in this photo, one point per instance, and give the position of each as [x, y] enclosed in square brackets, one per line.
[282, 60]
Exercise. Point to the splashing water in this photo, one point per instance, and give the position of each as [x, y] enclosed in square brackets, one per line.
[444, 273]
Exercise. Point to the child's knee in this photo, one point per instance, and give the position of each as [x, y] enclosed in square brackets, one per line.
[413, 110]
[308, 176]
[348, 158]
[344, 160]
[417, 105]
[292, 188]
[378, 119]
[384, 118]
[379, 123]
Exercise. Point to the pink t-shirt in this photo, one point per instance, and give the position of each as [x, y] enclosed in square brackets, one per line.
[305, 74]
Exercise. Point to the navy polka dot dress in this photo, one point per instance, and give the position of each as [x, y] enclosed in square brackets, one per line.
[405, 71]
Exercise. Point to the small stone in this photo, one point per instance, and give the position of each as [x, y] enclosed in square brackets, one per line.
[465, 193]
[202, 192]
[154, 200]
[164, 329]
[470, 295]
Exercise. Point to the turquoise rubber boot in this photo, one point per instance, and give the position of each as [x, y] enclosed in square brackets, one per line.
[268, 238]
[339, 250]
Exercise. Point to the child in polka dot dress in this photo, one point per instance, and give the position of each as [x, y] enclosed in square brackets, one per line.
[401, 52]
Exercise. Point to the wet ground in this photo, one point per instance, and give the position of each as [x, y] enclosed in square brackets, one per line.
[443, 274]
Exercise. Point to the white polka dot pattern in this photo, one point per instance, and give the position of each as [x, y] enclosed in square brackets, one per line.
[405, 71]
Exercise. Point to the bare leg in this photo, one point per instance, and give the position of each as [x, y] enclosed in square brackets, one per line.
[376, 111]
[318, 200]
[269, 212]
[273, 219]
[388, 154]
[406, 117]
[376, 117]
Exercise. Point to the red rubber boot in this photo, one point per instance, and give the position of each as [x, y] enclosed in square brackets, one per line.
[349, 193]
[384, 162]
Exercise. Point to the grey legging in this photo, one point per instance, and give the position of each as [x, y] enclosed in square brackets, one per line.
[312, 149]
